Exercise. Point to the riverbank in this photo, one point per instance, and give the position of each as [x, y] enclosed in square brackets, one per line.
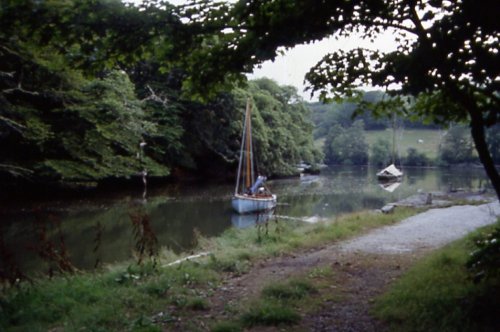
[205, 294]
[153, 294]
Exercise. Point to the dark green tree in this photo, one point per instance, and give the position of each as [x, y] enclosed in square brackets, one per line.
[380, 153]
[415, 158]
[346, 145]
[493, 141]
[457, 146]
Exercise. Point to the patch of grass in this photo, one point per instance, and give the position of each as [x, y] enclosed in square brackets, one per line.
[227, 326]
[294, 289]
[439, 295]
[197, 303]
[276, 306]
[270, 313]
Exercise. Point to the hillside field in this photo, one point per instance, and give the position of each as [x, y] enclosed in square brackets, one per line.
[405, 139]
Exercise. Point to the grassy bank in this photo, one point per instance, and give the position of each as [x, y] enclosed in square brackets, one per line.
[439, 294]
[154, 295]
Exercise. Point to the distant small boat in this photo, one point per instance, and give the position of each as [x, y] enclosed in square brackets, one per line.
[390, 173]
[250, 194]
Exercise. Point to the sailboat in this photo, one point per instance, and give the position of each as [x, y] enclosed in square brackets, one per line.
[391, 173]
[250, 194]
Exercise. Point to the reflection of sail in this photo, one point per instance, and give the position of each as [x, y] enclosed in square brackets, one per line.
[390, 186]
[251, 219]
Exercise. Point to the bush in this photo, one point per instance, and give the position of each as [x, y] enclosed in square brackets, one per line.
[457, 146]
[415, 158]
[346, 145]
[380, 153]
[484, 262]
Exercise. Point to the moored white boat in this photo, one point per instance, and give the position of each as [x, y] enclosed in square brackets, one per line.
[251, 203]
[390, 173]
[250, 194]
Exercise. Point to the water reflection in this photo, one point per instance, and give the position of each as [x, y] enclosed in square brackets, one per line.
[251, 219]
[145, 241]
[67, 235]
[389, 186]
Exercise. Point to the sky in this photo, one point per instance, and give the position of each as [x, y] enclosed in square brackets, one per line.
[291, 67]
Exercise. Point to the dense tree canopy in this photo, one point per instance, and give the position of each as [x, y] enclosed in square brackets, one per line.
[95, 90]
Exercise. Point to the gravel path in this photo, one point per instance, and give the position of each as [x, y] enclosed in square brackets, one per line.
[428, 230]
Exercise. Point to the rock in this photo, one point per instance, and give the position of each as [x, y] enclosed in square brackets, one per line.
[428, 200]
[389, 208]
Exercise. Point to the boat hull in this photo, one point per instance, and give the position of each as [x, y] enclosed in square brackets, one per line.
[389, 178]
[247, 203]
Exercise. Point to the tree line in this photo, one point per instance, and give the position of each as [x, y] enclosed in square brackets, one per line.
[343, 128]
[93, 91]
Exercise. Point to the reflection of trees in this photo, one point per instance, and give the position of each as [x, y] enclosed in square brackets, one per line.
[51, 247]
[146, 243]
[10, 271]
[97, 242]
[175, 222]
[262, 220]
[328, 205]
[466, 178]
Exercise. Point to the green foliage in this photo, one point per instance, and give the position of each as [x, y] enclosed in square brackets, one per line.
[270, 313]
[92, 136]
[493, 142]
[227, 327]
[438, 295]
[415, 158]
[346, 145]
[457, 146]
[380, 152]
[282, 131]
[292, 290]
[484, 262]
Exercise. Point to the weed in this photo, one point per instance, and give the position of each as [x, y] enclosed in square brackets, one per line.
[227, 326]
[197, 304]
[270, 313]
[292, 290]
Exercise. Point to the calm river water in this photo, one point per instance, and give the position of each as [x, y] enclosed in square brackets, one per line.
[43, 237]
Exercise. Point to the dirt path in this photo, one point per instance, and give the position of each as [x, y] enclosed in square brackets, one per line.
[362, 268]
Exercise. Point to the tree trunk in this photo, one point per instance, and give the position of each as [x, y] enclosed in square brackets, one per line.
[479, 137]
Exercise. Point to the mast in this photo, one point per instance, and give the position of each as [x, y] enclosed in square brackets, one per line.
[245, 174]
[248, 165]
[393, 138]
[242, 147]
[250, 176]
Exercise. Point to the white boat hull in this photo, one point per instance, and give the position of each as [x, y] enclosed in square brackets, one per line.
[390, 173]
[247, 203]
